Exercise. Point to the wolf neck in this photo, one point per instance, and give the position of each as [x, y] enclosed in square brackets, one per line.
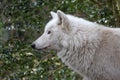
[79, 52]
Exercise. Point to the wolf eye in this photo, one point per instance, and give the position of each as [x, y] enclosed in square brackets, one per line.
[48, 32]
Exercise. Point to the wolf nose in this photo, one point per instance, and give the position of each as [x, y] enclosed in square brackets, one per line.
[33, 46]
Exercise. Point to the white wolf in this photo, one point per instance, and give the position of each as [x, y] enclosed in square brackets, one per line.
[90, 49]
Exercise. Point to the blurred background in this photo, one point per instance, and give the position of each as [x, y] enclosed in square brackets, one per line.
[22, 21]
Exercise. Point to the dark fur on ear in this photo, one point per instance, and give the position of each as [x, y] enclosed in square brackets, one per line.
[63, 21]
[61, 16]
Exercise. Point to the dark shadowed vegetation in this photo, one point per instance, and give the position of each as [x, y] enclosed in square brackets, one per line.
[22, 21]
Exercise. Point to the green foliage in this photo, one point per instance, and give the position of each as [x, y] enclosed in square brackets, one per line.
[22, 21]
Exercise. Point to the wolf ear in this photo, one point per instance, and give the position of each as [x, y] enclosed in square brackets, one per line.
[62, 17]
[53, 14]
[63, 21]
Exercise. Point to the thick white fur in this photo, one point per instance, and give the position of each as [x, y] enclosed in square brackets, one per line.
[90, 49]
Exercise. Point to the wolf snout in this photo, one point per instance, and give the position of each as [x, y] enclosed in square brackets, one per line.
[33, 46]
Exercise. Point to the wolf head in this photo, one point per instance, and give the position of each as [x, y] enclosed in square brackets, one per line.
[54, 32]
